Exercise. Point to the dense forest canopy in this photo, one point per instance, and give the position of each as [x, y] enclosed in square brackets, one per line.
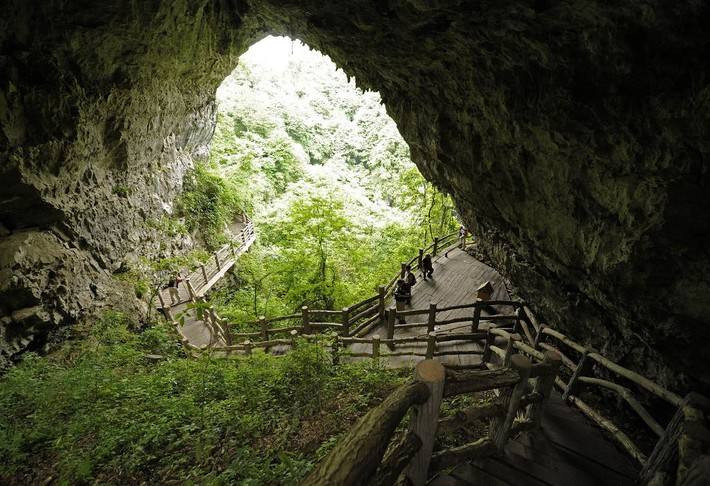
[326, 176]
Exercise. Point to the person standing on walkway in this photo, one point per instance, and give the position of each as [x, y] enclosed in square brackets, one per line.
[174, 289]
[463, 233]
[427, 267]
[402, 295]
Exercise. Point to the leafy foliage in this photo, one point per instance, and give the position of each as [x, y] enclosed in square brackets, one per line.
[328, 179]
[100, 410]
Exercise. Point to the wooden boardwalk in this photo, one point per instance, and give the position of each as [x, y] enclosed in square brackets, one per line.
[192, 328]
[567, 450]
[456, 278]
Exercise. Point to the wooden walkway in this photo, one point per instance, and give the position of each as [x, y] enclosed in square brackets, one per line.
[192, 328]
[456, 278]
[567, 450]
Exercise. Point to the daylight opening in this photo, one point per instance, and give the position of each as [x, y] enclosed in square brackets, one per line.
[321, 170]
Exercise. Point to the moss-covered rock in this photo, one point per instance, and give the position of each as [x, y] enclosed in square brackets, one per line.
[574, 136]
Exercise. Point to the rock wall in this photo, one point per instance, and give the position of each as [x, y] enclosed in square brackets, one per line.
[574, 136]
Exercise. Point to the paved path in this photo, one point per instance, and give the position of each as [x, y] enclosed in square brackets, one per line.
[456, 278]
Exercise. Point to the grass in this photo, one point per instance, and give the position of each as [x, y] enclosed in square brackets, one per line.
[101, 411]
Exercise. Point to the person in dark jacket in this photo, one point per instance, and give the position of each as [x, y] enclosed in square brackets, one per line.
[410, 280]
[427, 267]
[402, 295]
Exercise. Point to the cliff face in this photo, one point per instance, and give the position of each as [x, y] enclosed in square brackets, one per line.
[573, 136]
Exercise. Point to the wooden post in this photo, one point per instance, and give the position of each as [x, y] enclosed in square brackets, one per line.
[190, 289]
[346, 321]
[476, 315]
[420, 258]
[538, 336]
[430, 345]
[204, 272]
[516, 327]
[376, 346]
[227, 331]
[544, 386]
[305, 320]
[390, 327]
[510, 401]
[160, 298]
[264, 328]
[402, 270]
[425, 418]
[216, 259]
[490, 338]
[247, 347]
[381, 303]
[576, 374]
[431, 322]
[294, 335]
[168, 314]
[509, 348]
[436, 246]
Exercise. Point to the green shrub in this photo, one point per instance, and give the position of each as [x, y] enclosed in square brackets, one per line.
[101, 411]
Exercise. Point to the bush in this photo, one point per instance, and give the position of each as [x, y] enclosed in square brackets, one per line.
[99, 410]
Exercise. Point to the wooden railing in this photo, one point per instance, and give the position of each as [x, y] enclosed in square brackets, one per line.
[201, 279]
[583, 366]
[359, 457]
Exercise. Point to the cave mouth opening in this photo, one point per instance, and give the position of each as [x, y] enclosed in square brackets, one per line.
[324, 174]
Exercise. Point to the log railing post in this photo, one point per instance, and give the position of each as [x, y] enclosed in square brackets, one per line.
[305, 320]
[510, 401]
[420, 257]
[431, 322]
[435, 249]
[160, 298]
[431, 345]
[682, 442]
[190, 289]
[168, 314]
[544, 385]
[381, 303]
[204, 272]
[294, 335]
[264, 326]
[402, 269]
[578, 370]
[247, 347]
[509, 348]
[476, 315]
[346, 321]
[216, 260]
[376, 346]
[227, 332]
[425, 418]
[517, 329]
[390, 327]
[538, 336]
[490, 338]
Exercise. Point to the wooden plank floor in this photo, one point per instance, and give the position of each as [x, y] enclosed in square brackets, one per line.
[456, 278]
[567, 450]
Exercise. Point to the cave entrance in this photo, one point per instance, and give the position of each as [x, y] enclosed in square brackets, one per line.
[324, 174]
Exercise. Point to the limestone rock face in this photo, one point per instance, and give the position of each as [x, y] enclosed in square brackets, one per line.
[574, 137]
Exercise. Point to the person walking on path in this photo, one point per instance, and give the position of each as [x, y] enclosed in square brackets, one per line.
[427, 267]
[463, 232]
[174, 290]
[402, 295]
